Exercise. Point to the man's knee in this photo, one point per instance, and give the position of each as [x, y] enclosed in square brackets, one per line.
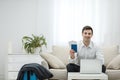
[71, 67]
[103, 68]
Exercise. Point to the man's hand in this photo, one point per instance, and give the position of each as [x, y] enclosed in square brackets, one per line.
[72, 52]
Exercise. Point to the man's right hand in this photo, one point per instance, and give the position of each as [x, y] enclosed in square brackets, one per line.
[72, 52]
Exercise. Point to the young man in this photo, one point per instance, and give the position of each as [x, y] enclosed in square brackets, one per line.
[86, 50]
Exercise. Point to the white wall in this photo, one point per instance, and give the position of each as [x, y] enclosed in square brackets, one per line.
[109, 13]
[23, 17]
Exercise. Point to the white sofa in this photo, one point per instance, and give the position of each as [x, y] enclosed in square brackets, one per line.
[57, 60]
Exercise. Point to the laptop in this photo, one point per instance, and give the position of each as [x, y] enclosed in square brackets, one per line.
[93, 66]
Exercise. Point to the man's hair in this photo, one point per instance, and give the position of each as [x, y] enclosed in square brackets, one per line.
[87, 28]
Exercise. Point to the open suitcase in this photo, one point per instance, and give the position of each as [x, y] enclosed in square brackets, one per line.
[33, 71]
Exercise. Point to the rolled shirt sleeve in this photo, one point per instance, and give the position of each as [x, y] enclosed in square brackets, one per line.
[75, 60]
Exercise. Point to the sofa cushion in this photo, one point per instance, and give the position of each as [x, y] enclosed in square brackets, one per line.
[59, 74]
[62, 52]
[109, 53]
[113, 74]
[53, 61]
[115, 63]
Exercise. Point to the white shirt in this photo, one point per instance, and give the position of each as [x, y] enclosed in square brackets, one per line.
[90, 52]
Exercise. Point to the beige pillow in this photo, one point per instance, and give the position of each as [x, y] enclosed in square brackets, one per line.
[109, 53]
[62, 52]
[115, 63]
[53, 61]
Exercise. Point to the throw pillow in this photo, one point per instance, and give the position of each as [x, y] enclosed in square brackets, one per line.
[53, 61]
[109, 53]
[115, 63]
[62, 52]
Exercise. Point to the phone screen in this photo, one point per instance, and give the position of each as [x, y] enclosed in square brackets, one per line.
[74, 47]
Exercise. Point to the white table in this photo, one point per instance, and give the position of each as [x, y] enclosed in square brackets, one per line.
[77, 75]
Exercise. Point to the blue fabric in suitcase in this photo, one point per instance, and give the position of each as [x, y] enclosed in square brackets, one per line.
[31, 76]
[25, 76]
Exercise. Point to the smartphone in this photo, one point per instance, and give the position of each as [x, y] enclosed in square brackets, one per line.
[74, 47]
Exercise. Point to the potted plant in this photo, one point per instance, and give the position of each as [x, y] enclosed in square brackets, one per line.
[30, 44]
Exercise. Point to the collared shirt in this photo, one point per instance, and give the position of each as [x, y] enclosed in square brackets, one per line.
[89, 52]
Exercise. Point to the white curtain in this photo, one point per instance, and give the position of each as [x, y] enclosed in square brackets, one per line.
[70, 16]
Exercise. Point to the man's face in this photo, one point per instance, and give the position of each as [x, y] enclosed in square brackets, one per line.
[87, 34]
